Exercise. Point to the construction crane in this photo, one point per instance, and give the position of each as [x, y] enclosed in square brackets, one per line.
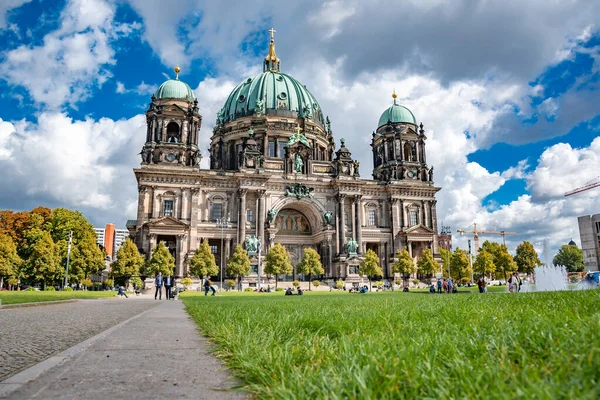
[476, 234]
[590, 185]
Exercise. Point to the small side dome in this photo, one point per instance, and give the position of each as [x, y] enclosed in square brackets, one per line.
[397, 113]
[572, 243]
[175, 89]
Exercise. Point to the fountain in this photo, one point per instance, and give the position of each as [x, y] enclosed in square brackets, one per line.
[550, 277]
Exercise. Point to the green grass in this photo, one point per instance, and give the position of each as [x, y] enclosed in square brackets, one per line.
[403, 345]
[32, 297]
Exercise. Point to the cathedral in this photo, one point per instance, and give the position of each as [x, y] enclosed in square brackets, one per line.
[276, 175]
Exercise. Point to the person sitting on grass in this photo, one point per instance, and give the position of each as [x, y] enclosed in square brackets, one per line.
[288, 292]
[299, 291]
[432, 288]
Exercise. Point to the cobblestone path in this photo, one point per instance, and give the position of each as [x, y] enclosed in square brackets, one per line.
[32, 334]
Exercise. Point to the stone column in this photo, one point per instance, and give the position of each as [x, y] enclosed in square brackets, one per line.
[337, 229]
[180, 255]
[434, 215]
[353, 217]
[242, 215]
[184, 131]
[401, 215]
[155, 203]
[227, 250]
[404, 215]
[409, 245]
[426, 213]
[421, 215]
[142, 205]
[396, 224]
[342, 223]
[194, 217]
[359, 221]
[260, 219]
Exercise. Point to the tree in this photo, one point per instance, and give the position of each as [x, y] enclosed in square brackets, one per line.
[9, 259]
[369, 266]
[277, 262]
[504, 261]
[186, 282]
[570, 257]
[405, 266]
[238, 264]
[484, 263]
[527, 258]
[427, 264]
[459, 265]
[203, 262]
[128, 263]
[161, 261]
[446, 257]
[86, 257]
[310, 264]
[43, 262]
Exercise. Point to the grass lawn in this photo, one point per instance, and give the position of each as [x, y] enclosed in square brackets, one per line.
[31, 297]
[407, 345]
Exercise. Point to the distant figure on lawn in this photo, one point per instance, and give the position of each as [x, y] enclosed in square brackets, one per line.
[158, 282]
[208, 286]
[445, 285]
[439, 286]
[288, 291]
[299, 291]
[122, 292]
[514, 283]
[432, 288]
[450, 285]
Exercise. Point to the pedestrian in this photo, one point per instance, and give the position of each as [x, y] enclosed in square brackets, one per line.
[122, 292]
[480, 284]
[450, 285]
[445, 285]
[158, 282]
[513, 283]
[168, 285]
[206, 285]
[439, 286]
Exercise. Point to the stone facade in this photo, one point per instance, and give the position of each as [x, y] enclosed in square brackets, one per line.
[589, 231]
[275, 175]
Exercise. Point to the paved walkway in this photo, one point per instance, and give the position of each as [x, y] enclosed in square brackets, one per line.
[155, 354]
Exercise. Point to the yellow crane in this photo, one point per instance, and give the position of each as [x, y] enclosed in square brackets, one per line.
[476, 234]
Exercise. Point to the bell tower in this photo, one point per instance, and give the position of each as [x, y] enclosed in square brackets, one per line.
[173, 122]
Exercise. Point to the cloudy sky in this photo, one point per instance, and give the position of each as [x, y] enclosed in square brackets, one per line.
[508, 92]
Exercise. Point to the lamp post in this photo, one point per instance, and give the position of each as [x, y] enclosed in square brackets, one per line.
[221, 223]
[68, 258]
[470, 262]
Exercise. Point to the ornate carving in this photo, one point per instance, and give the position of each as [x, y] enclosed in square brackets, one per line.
[298, 164]
[340, 197]
[195, 191]
[271, 214]
[328, 217]
[351, 246]
[242, 192]
[299, 190]
[142, 189]
[252, 245]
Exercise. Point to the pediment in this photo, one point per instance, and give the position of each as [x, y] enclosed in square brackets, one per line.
[167, 222]
[419, 230]
[174, 108]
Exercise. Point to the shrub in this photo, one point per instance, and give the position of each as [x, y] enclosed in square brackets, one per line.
[186, 282]
[416, 281]
[230, 284]
[340, 284]
[316, 283]
[279, 289]
[398, 282]
[465, 280]
[68, 289]
[30, 289]
[296, 283]
[378, 284]
[49, 289]
[13, 281]
[136, 282]
[248, 289]
[109, 283]
[86, 283]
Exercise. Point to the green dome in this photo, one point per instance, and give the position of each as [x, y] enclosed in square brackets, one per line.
[175, 89]
[279, 93]
[397, 113]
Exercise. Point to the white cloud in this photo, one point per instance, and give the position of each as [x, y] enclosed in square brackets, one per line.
[7, 5]
[330, 16]
[143, 89]
[72, 60]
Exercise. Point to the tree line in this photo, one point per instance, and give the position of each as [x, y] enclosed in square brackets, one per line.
[33, 247]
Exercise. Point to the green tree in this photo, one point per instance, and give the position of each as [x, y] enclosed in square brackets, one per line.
[310, 264]
[203, 262]
[527, 258]
[9, 259]
[427, 264]
[161, 261]
[459, 265]
[503, 260]
[63, 221]
[86, 257]
[369, 266]
[405, 266]
[570, 257]
[277, 262]
[128, 263]
[43, 262]
[238, 265]
[484, 263]
[446, 258]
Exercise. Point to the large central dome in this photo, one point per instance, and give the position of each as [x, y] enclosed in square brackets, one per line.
[271, 93]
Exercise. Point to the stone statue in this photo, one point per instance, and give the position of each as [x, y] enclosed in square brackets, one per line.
[298, 164]
[197, 158]
[306, 111]
[351, 246]
[356, 165]
[328, 123]
[431, 174]
[258, 109]
[271, 214]
[328, 218]
[298, 190]
[252, 244]
[220, 117]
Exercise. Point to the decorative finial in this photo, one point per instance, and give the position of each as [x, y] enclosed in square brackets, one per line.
[271, 60]
[251, 132]
[394, 95]
[298, 129]
[177, 69]
[342, 141]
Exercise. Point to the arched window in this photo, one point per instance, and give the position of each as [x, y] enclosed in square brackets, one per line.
[173, 132]
[407, 152]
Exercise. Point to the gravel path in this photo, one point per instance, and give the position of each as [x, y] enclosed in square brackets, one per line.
[30, 335]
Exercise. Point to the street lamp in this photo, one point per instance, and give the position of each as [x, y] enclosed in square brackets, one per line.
[222, 223]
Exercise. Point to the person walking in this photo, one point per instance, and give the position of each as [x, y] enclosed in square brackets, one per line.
[439, 286]
[158, 282]
[168, 285]
[206, 286]
[122, 292]
[445, 285]
[450, 285]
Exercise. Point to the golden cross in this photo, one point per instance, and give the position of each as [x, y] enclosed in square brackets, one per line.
[298, 129]
[272, 31]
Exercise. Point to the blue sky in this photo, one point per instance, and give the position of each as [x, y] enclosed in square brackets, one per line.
[508, 94]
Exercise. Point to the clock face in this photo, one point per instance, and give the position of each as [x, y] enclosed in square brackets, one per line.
[410, 174]
[171, 157]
